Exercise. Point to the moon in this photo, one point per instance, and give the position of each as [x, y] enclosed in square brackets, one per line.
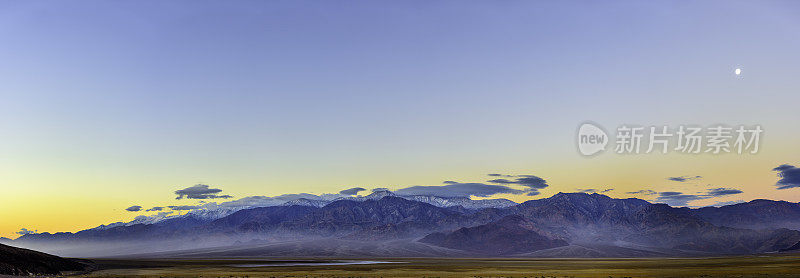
[737, 71]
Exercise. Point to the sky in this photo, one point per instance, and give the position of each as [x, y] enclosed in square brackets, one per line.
[105, 105]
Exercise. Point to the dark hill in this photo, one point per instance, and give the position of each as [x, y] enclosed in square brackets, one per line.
[24, 262]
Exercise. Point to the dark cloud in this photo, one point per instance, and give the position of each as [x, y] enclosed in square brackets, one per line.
[134, 208]
[380, 189]
[533, 183]
[459, 190]
[677, 198]
[25, 231]
[790, 176]
[351, 191]
[156, 209]
[684, 178]
[715, 192]
[183, 207]
[501, 181]
[200, 191]
[670, 193]
[593, 190]
[643, 192]
[450, 182]
[727, 203]
[680, 199]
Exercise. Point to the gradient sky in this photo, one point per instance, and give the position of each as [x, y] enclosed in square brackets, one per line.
[108, 104]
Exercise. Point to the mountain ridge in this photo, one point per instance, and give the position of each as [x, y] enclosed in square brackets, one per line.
[608, 225]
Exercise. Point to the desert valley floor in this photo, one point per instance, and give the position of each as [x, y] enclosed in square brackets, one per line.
[742, 266]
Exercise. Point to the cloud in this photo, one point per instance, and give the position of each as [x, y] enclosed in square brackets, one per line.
[200, 191]
[380, 189]
[183, 207]
[156, 209]
[449, 182]
[790, 176]
[680, 199]
[715, 192]
[351, 191]
[25, 231]
[670, 193]
[459, 190]
[524, 180]
[134, 208]
[643, 192]
[684, 178]
[727, 203]
[501, 181]
[533, 183]
[677, 198]
[593, 190]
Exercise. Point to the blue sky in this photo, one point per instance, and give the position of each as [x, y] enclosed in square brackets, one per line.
[270, 97]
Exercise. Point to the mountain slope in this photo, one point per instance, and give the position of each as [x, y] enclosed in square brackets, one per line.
[344, 217]
[756, 214]
[663, 226]
[24, 262]
[442, 202]
[510, 235]
[260, 219]
[602, 222]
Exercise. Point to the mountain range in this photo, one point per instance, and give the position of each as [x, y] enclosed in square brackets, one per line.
[213, 211]
[384, 224]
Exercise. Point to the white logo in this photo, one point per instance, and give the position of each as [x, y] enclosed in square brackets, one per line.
[591, 139]
[691, 139]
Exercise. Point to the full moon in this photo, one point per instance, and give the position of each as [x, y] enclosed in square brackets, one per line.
[737, 71]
